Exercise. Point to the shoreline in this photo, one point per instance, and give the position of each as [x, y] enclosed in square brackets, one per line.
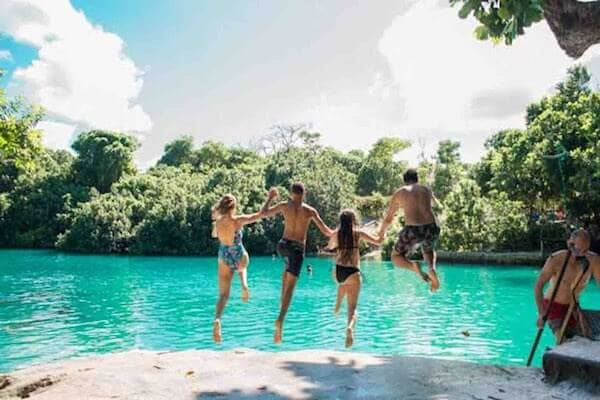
[248, 374]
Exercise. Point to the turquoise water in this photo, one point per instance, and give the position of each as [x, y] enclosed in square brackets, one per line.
[55, 306]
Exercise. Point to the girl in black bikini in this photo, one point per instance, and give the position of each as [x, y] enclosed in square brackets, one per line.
[344, 242]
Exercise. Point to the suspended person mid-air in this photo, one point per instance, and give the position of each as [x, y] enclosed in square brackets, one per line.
[228, 228]
[578, 269]
[420, 227]
[345, 242]
[297, 217]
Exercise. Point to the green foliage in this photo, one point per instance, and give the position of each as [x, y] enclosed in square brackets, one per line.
[178, 152]
[103, 158]
[32, 215]
[448, 168]
[20, 142]
[503, 22]
[523, 164]
[476, 223]
[380, 172]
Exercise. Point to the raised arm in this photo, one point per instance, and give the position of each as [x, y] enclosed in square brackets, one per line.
[268, 210]
[376, 240]
[393, 208]
[316, 218]
[251, 218]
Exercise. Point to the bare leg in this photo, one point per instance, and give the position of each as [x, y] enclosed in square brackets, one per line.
[430, 257]
[401, 261]
[352, 285]
[225, 276]
[243, 273]
[341, 292]
[289, 283]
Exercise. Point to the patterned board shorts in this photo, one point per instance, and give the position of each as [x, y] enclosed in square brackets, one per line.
[413, 236]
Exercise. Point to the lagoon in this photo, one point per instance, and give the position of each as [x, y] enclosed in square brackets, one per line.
[55, 306]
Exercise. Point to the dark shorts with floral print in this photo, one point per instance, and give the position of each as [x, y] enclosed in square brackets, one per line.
[413, 236]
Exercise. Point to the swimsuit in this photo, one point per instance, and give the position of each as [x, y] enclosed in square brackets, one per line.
[412, 236]
[342, 273]
[293, 252]
[232, 255]
[557, 313]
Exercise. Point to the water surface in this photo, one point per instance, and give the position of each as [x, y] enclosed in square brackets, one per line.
[55, 306]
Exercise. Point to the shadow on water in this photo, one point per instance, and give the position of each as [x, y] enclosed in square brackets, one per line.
[346, 380]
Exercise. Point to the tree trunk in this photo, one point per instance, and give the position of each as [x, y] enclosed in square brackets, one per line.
[576, 25]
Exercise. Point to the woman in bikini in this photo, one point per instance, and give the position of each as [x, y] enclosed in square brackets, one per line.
[233, 257]
[345, 242]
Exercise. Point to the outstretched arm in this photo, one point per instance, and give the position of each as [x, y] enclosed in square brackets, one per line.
[376, 240]
[325, 230]
[268, 210]
[391, 212]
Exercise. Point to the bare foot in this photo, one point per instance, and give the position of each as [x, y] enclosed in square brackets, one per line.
[349, 337]
[277, 337]
[245, 294]
[416, 267]
[217, 331]
[433, 278]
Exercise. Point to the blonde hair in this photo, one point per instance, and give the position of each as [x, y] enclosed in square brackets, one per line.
[223, 206]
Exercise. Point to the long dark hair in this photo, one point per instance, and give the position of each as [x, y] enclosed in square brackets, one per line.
[346, 235]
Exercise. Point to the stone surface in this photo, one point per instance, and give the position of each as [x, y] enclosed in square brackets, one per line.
[579, 359]
[248, 374]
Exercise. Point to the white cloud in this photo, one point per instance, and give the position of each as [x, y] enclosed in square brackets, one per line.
[5, 55]
[57, 135]
[82, 75]
[458, 87]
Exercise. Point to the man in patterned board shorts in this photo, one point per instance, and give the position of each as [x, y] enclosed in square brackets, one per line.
[420, 230]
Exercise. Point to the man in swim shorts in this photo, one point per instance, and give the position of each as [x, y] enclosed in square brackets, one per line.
[297, 217]
[574, 278]
[420, 229]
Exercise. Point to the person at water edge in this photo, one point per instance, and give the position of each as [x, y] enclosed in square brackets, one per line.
[232, 257]
[420, 230]
[574, 282]
[297, 217]
[345, 242]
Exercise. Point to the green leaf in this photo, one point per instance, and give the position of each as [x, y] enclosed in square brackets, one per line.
[465, 10]
[482, 32]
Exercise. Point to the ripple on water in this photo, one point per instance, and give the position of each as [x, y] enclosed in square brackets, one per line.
[58, 306]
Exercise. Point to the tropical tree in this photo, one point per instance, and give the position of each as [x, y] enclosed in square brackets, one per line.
[178, 152]
[103, 158]
[380, 171]
[575, 24]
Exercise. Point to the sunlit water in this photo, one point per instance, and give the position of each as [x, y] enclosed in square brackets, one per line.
[55, 306]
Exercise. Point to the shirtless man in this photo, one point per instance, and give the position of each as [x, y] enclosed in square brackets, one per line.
[297, 218]
[579, 244]
[420, 227]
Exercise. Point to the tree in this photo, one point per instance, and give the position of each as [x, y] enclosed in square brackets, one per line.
[575, 24]
[380, 172]
[20, 142]
[554, 162]
[448, 168]
[103, 158]
[179, 151]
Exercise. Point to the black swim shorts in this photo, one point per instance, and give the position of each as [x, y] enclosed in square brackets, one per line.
[293, 253]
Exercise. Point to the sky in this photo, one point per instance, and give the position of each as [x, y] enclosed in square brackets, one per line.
[229, 70]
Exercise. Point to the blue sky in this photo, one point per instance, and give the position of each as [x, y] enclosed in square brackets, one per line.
[227, 70]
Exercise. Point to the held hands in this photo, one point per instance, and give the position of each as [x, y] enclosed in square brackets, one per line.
[273, 193]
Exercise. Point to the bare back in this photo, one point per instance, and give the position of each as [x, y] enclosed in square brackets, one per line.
[572, 275]
[416, 201]
[297, 218]
[225, 229]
